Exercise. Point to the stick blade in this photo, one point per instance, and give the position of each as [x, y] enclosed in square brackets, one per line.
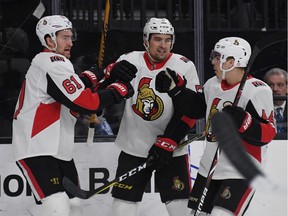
[73, 189]
[230, 142]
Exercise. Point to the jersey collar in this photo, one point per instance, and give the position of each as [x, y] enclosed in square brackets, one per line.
[155, 65]
[225, 86]
[46, 50]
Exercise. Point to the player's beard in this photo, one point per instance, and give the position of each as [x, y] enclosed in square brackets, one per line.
[159, 57]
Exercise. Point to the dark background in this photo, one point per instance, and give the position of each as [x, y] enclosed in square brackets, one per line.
[125, 35]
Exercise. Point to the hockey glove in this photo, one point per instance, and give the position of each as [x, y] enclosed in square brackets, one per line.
[169, 81]
[241, 118]
[161, 152]
[91, 77]
[121, 90]
[122, 71]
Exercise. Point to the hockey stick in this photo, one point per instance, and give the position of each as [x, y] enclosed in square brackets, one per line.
[192, 139]
[73, 189]
[275, 38]
[230, 142]
[226, 134]
[93, 117]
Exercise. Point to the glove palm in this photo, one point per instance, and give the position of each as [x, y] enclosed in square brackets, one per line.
[169, 81]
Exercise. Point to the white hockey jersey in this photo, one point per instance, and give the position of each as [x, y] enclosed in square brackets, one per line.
[217, 95]
[41, 125]
[148, 112]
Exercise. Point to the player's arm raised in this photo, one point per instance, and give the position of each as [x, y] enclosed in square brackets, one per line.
[188, 102]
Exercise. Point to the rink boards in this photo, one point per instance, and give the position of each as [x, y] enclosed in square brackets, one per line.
[97, 165]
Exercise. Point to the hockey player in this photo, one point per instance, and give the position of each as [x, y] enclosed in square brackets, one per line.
[228, 192]
[45, 115]
[150, 126]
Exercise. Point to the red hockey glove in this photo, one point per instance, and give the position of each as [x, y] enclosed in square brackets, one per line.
[162, 152]
[241, 118]
[122, 71]
[89, 79]
[121, 90]
[169, 81]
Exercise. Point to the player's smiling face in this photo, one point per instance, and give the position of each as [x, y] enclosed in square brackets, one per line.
[64, 42]
[159, 46]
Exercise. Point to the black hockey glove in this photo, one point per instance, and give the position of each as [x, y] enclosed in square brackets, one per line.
[161, 152]
[169, 81]
[241, 118]
[121, 71]
[121, 91]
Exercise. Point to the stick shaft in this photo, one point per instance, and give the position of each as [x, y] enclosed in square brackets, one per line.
[104, 34]
[91, 130]
[83, 194]
[86, 194]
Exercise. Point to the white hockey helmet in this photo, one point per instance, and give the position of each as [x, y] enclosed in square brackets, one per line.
[235, 47]
[158, 26]
[50, 25]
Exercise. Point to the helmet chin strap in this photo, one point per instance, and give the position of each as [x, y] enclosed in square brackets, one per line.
[224, 71]
[54, 48]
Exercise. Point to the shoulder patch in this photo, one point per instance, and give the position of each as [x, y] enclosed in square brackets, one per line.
[184, 59]
[57, 58]
[258, 83]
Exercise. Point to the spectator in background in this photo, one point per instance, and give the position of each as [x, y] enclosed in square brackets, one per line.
[276, 78]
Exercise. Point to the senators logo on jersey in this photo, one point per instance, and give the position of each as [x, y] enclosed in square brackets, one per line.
[208, 130]
[178, 185]
[148, 105]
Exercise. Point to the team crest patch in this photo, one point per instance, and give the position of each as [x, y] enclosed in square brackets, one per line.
[148, 105]
[56, 58]
[226, 194]
[178, 185]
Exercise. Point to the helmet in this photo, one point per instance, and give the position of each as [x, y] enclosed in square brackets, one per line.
[235, 47]
[158, 26]
[49, 25]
